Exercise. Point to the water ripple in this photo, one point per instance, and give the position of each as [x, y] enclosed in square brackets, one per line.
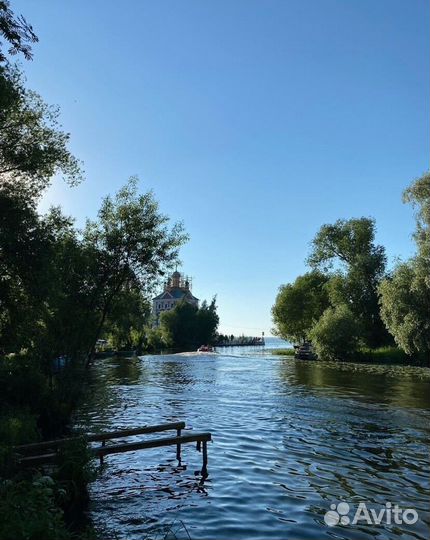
[290, 438]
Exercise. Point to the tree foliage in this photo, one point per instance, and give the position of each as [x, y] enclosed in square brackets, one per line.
[336, 304]
[336, 335]
[418, 194]
[405, 295]
[405, 307]
[25, 248]
[186, 326]
[125, 325]
[16, 31]
[347, 251]
[299, 305]
[350, 243]
[46, 282]
[155, 340]
[59, 288]
[207, 322]
[133, 246]
[33, 146]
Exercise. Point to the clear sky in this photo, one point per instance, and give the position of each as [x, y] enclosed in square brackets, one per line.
[255, 122]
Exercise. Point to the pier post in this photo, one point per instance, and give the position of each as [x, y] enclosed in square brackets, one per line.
[178, 446]
[101, 455]
[205, 460]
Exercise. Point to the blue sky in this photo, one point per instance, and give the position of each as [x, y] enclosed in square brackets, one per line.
[255, 122]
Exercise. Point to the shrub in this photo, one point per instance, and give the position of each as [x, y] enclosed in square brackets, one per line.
[29, 511]
[75, 470]
[155, 340]
[336, 335]
[18, 427]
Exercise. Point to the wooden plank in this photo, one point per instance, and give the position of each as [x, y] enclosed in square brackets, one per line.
[36, 447]
[156, 443]
[135, 431]
[125, 447]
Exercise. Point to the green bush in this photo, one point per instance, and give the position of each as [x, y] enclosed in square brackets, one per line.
[155, 340]
[76, 469]
[18, 427]
[336, 335]
[29, 512]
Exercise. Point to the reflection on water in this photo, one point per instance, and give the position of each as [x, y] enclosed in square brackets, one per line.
[403, 386]
[290, 438]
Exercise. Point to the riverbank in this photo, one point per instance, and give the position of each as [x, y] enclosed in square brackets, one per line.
[37, 405]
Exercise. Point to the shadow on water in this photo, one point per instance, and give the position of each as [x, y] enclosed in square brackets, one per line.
[399, 386]
[126, 371]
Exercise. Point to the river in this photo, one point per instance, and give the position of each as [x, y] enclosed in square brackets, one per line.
[290, 438]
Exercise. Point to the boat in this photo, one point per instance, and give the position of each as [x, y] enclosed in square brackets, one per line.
[205, 348]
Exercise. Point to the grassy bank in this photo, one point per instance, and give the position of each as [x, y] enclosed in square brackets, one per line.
[391, 355]
[283, 352]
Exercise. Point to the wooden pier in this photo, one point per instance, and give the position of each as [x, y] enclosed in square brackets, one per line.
[242, 342]
[37, 454]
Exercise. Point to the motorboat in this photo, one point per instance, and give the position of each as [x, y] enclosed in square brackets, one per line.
[205, 348]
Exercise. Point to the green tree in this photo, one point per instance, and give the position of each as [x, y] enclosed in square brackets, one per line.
[299, 305]
[70, 320]
[33, 146]
[405, 295]
[207, 322]
[46, 282]
[179, 325]
[348, 252]
[132, 245]
[127, 319]
[186, 326]
[25, 249]
[418, 194]
[336, 335]
[405, 307]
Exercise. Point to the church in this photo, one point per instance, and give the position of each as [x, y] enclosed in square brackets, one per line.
[176, 289]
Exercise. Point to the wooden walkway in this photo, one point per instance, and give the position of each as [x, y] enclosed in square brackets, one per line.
[37, 454]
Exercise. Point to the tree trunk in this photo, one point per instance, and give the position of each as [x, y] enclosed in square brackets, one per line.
[92, 351]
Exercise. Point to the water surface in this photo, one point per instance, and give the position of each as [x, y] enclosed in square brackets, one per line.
[290, 438]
